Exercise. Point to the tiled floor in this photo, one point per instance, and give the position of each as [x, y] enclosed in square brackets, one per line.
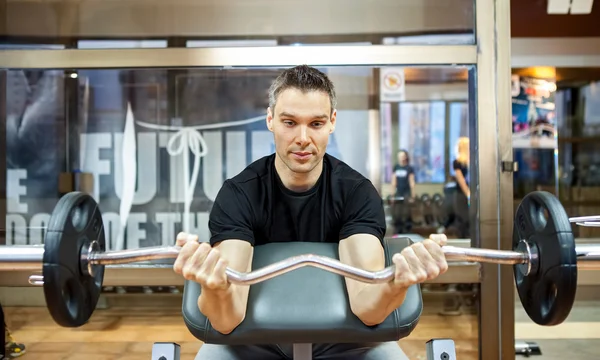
[128, 332]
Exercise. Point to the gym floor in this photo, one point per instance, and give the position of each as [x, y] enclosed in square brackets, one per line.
[133, 323]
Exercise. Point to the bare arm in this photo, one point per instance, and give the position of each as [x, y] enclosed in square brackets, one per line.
[228, 310]
[460, 179]
[411, 182]
[223, 303]
[373, 303]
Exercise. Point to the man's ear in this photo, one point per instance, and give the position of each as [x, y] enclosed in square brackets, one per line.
[333, 121]
[269, 119]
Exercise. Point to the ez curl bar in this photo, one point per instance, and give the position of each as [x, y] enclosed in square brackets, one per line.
[72, 260]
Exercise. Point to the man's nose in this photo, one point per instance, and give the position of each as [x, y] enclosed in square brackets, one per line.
[302, 137]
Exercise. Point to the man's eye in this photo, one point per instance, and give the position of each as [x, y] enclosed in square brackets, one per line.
[318, 124]
[288, 122]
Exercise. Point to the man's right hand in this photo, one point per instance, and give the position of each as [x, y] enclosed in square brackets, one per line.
[201, 263]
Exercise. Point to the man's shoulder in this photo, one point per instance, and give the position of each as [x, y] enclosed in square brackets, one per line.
[255, 173]
[343, 174]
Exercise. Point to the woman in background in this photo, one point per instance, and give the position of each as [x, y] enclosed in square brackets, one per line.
[462, 198]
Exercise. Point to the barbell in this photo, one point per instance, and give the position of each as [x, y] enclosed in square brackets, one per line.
[73, 257]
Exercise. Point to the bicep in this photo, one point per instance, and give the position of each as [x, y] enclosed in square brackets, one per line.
[363, 251]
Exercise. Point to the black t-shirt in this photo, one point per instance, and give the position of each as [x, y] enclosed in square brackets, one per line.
[255, 206]
[464, 169]
[402, 173]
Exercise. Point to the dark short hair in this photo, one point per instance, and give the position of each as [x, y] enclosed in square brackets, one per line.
[303, 78]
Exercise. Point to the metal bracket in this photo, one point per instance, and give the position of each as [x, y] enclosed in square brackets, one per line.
[441, 349]
[509, 166]
[166, 351]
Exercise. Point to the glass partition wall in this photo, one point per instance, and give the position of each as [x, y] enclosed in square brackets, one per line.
[150, 112]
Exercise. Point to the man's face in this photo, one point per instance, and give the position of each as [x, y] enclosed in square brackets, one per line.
[301, 124]
[402, 158]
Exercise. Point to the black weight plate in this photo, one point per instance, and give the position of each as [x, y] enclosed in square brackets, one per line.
[71, 293]
[548, 292]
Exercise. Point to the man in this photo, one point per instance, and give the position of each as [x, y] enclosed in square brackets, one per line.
[300, 193]
[403, 182]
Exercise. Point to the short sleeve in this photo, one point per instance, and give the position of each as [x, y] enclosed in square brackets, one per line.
[456, 165]
[231, 216]
[411, 170]
[363, 212]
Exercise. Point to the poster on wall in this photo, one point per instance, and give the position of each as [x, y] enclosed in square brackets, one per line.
[392, 84]
[533, 113]
[154, 174]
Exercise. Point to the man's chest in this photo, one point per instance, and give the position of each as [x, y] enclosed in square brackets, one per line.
[311, 219]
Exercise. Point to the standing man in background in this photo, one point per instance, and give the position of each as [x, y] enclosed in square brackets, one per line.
[403, 183]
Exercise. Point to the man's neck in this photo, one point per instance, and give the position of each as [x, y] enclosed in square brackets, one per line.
[297, 182]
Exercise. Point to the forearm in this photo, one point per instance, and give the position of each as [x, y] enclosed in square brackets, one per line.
[462, 183]
[373, 303]
[225, 310]
[465, 189]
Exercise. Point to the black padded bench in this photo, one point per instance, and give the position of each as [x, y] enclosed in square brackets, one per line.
[305, 306]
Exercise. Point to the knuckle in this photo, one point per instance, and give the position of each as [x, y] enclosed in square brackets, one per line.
[211, 283]
[397, 258]
[200, 278]
[432, 272]
[428, 243]
[443, 266]
[188, 271]
[408, 251]
[418, 246]
[222, 263]
[190, 246]
[412, 278]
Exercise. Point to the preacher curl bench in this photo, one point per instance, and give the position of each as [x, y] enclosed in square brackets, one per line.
[303, 307]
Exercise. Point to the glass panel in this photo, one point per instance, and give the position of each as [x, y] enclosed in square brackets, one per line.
[272, 22]
[573, 169]
[111, 129]
[425, 135]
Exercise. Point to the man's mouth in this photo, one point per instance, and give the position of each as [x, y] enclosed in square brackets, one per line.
[301, 155]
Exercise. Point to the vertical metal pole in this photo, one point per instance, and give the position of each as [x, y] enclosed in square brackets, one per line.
[494, 144]
[3, 115]
[374, 147]
[3, 109]
[504, 104]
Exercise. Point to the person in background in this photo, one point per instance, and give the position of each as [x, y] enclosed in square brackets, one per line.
[462, 198]
[403, 183]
